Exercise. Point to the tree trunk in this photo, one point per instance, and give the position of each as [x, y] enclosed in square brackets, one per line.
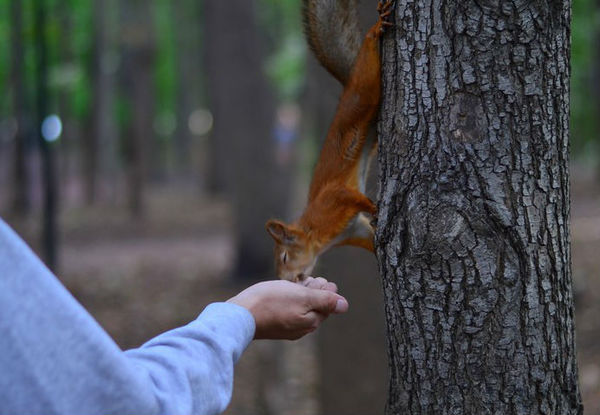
[187, 34]
[138, 55]
[219, 51]
[67, 149]
[100, 155]
[21, 203]
[243, 152]
[49, 227]
[473, 227]
[596, 91]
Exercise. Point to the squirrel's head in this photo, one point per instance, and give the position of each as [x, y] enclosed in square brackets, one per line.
[294, 257]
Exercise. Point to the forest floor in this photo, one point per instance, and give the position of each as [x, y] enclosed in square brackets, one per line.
[139, 278]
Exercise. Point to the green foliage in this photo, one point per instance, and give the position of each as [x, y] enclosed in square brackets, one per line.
[285, 66]
[69, 36]
[81, 46]
[4, 55]
[71, 45]
[585, 60]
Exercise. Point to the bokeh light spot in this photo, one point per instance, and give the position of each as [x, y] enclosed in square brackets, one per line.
[51, 128]
[200, 122]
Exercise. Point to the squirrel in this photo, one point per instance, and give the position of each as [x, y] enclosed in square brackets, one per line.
[336, 208]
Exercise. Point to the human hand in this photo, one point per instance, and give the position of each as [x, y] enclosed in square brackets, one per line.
[287, 310]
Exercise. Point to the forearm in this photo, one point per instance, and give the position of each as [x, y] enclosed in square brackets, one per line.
[191, 367]
[56, 359]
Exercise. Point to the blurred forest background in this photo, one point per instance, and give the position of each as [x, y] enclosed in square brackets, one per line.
[144, 143]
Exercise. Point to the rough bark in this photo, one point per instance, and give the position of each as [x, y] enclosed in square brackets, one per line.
[473, 229]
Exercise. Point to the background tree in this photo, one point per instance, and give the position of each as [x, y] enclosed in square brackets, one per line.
[473, 229]
[188, 52]
[21, 202]
[50, 185]
[138, 52]
[100, 149]
[242, 152]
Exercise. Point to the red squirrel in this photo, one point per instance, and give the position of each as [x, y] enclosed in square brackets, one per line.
[336, 208]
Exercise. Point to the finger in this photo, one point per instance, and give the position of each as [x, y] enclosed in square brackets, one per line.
[341, 305]
[321, 301]
[312, 320]
[320, 284]
[322, 281]
[307, 281]
[317, 283]
[330, 286]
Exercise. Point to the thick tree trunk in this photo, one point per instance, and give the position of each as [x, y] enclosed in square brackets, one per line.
[220, 51]
[473, 228]
[242, 155]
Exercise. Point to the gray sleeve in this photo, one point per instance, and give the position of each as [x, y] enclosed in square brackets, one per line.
[56, 359]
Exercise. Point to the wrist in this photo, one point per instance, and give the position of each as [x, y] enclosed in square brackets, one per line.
[247, 304]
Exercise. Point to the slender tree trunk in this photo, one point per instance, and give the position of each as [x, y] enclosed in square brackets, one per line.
[105, 122]
[473, 228]
[21, 203]
[596, 89]
[65, 154]
[187, 34]
[100, 155]
[138, 56]
[49, 231]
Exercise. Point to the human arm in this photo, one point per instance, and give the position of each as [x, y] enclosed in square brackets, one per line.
[56, 359]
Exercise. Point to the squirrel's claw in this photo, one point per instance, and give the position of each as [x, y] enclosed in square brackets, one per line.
[384, 10]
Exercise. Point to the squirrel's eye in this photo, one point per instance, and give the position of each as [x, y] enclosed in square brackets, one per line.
[284, 257]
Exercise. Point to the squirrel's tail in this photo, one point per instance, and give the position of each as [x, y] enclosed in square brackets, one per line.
[333, 33]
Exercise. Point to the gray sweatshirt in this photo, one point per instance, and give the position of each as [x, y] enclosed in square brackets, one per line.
[56, 359]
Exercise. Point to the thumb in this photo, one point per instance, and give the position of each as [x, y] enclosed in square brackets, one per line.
[326, 302]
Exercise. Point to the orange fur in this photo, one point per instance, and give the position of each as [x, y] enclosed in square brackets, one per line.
[335, 202]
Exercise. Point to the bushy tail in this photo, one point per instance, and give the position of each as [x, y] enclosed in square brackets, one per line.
[333, 33]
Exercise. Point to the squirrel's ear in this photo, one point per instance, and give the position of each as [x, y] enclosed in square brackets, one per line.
[280, 232]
